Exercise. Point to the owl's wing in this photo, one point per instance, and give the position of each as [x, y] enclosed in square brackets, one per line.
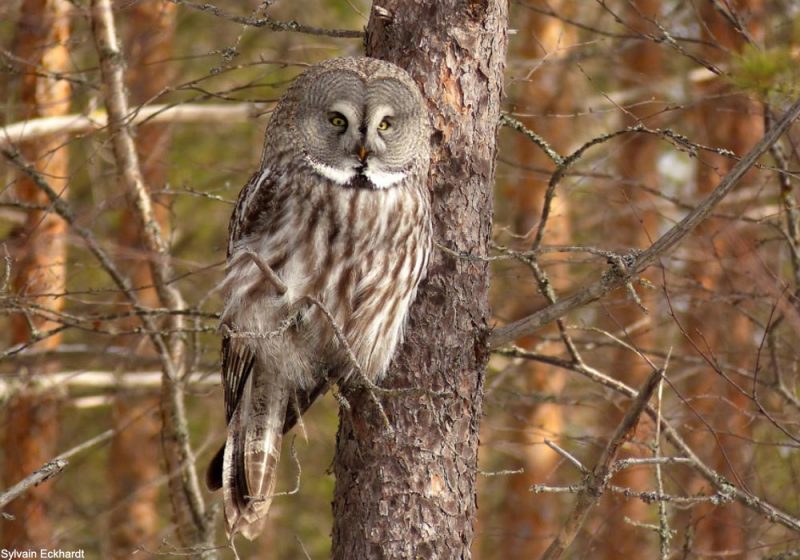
[238, 359]
[237, 363]
[255, 199]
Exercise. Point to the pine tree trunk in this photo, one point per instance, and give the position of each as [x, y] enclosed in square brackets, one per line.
[410, 492]
[30, 431]
[135, 460]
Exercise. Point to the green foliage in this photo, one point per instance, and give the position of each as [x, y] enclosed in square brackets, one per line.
[771, 74]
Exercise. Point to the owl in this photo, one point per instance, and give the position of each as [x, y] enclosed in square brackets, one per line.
[327, 245]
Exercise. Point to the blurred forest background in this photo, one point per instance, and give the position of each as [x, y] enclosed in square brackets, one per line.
[699, 80]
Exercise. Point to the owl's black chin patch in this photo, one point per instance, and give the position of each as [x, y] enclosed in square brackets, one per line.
[360, 181]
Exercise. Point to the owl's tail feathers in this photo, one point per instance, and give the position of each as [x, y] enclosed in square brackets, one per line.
[251, 454]
[296, 408]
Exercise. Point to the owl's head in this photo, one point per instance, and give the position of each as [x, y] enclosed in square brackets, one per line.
[360, 122]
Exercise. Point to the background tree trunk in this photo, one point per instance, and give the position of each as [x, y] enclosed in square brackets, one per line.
[39, 272]
[410, 492]
[135, 457]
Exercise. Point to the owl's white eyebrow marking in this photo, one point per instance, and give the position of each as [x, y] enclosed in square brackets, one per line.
[338, 176]
[384, 179]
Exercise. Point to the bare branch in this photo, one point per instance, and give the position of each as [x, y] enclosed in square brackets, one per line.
[47, 472]
[207, 113]
[615, 278]
[270, 23]
[187, 500]
[51, 469]
[720, 483]
[597, 480]
[100, 380]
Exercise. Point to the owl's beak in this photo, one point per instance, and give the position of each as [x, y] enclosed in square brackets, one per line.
[363, 153]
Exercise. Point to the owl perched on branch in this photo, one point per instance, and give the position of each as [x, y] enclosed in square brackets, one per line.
[327, 245]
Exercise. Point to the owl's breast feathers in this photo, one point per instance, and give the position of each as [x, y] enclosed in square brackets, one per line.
[359, 251]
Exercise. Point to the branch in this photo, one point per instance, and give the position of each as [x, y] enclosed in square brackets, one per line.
[51, 469]
[615, 277]
[34, 479]
[33, 129]
[720, 483]
[98, 380]
[597, 480]
[270, 23]
[187, 500]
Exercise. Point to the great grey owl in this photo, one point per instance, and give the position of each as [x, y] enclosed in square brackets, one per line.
[334, 229]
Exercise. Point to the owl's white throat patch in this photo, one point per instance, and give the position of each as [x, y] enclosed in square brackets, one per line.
[384, 179]
[378, 179]
[335, 174]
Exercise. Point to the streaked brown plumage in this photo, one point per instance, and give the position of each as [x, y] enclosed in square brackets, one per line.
[339, 211]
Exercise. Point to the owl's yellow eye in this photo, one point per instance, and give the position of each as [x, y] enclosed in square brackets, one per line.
[337, 119]
[384, 125]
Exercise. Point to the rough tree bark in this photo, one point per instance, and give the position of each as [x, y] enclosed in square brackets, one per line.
[409, 492]
[39, 253]
[135, 461]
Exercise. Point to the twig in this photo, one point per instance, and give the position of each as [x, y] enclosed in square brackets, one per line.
[597, 480]
[660, 497]
[720, 483]
[270, 23]
[506, 472]
[664, 532]
[362, 378]
[788, 202]
[644, 496]
[96, 380]
[267, 271]
[46, 472]
[63, 210]
[51, 469]
[623, 464]
[646, 258]
[567, 455]
[299, 475]
[208, 113]
[511, 122]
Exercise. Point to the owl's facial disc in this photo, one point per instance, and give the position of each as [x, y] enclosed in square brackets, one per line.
[359, 147]
[358, 133]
